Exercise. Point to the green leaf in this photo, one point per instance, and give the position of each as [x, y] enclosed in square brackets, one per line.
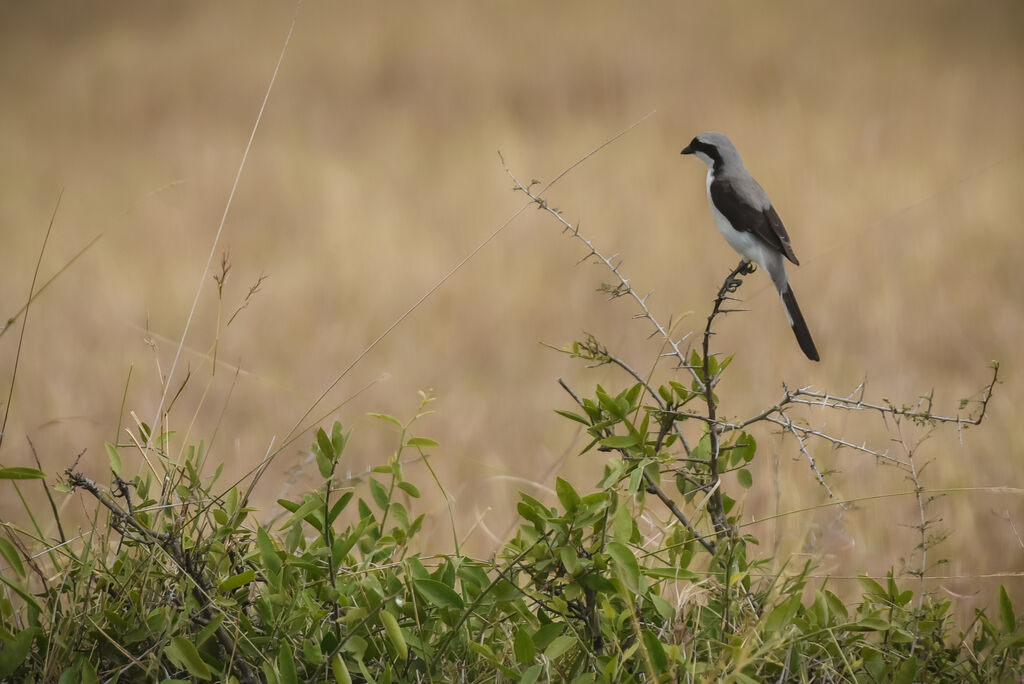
[394, 633]
[422, 442]
[702, 452]
[439, 594]
[868, 624]
[409, 488]
[113, 458]
[183, 653]
[23, 593]
[559, 646]
[239, 580]
[1006, 614]
[387, 418]
[268, 554]
[531, 674]
[695, 359]
[666, 610]
[206, 632]
[625, 562]
[725, 364]
[312, 503]
[324, 442]
[545, 634]
[380, 494]
[606, 401]
[340, 670]
[598, 583]
[164, 438]
[620, 441]
[907, 672]
[745, 447]
[231, 500]
[836, 605]
[311, 652]
[670, 573]
[88, 673]
[15, 650]
[567, 496]
[286, 664]
[573, 416]
[365, 671]
[1009, 641]
[570, 561]
[524, 647]
[745, 479]
[325, 456]
[655, 650]
[339, 506]
[685, 486]
[13, 558]
[19, 473]
[622, 525]
[872, 588]
[483, 649]
[635, 478]
[338, 439]
[782, 615]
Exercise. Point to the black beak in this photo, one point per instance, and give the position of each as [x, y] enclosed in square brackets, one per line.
[688, 149]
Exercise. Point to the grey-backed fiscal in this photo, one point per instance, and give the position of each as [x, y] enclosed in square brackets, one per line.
[749, 223]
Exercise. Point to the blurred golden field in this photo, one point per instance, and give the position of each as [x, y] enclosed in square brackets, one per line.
[890, 137]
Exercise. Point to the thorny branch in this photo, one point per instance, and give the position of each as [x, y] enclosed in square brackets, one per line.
[129, 526]
[707, 373]
[623, 287]
[716, 507]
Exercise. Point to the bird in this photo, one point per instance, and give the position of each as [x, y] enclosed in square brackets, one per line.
[749, 223]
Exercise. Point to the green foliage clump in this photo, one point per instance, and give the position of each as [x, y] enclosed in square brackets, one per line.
[177, 581]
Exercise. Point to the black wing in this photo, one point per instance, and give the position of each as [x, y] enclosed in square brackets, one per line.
[744, 217]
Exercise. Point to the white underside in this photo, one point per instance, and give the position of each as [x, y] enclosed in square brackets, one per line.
[750, 247]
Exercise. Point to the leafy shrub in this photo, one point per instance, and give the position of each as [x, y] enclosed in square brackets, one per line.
[182, 583]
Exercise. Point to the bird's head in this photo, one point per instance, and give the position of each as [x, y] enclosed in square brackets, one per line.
[714, 149]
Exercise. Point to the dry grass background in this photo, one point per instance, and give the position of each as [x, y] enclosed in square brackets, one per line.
[889, 136]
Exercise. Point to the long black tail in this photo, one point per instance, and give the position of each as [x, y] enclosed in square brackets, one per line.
[796, 319]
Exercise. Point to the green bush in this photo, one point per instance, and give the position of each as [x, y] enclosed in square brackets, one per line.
[183, 584]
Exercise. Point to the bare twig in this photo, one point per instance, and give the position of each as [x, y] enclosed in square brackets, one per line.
[622, 287]
[126, 523]
[800, 438]
[716, 507]
[857, 403]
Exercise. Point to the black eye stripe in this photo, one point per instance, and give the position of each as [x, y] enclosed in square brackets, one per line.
[710, 150]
